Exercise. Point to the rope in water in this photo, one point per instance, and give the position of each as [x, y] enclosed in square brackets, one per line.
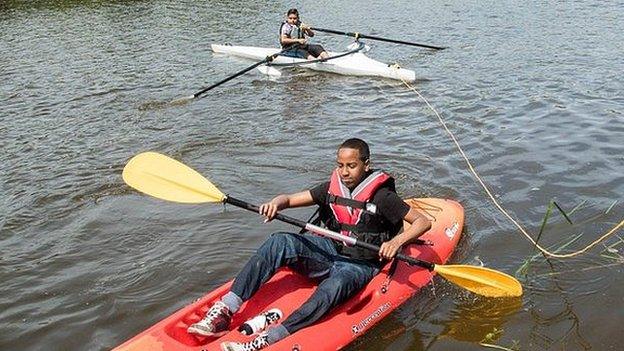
[496, 203]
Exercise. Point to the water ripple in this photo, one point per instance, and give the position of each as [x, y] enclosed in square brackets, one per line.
[535, 103]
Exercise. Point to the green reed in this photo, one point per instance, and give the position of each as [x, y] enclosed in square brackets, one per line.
[611, 252]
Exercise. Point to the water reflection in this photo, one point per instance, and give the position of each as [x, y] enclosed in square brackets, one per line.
[392, 334]
[480, 319]
[556, 321]
[538, 121]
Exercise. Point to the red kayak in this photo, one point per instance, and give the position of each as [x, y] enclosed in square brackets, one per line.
[287, 290]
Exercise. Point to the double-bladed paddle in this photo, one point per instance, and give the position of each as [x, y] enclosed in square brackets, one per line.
[165, 178]
[359, 35]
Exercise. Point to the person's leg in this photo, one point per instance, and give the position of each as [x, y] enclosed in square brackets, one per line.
[317, 51]
[289, 53]
[311, 254]
[345, 279]
[296, 53]
[305, 54]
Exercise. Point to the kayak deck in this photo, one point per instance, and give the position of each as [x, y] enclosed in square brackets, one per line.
[356, 64]
[287, 290]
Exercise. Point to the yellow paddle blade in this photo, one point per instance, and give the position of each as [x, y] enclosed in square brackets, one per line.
[481, 280]
[165, 178]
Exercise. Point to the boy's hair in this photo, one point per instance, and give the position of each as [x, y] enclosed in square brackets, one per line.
[357, 144]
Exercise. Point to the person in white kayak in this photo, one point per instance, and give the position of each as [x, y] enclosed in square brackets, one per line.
[293, 32]
[356, 201]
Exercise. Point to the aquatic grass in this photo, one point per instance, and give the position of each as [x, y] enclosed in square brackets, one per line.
[577, 207]
[514, 347]
[591, 219]
[596, 216]
[553, 202]
[576, 271]
[568, 313]
[549, 209]
[523, 269]
[493, 336]
[610, 252]
[610, 207]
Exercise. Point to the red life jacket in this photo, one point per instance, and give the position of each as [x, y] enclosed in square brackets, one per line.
[349, 206]
[352, 213]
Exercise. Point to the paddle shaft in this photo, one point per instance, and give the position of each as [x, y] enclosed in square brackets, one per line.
[358, 35]
[239, 73]
[327, 233]
[165, 178]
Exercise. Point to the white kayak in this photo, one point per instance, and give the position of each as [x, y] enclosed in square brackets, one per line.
[356, 64]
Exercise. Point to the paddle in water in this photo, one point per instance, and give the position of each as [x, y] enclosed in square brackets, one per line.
[165, 178]
[359, 35]
[268, 59]
[183, 100]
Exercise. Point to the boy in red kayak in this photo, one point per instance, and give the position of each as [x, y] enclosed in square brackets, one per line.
[356, 201]
[292, 32]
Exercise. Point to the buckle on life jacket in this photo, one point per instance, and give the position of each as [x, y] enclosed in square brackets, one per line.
[343, 201]
[371, 207]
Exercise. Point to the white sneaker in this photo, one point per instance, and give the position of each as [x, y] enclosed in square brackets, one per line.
[258, 343]
[260, 322]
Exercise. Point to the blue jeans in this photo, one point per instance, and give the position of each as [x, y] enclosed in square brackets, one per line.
[314, 256]
[296, 53]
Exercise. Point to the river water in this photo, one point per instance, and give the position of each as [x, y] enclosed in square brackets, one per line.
[531, 90]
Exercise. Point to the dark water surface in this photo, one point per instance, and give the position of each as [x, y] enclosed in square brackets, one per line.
[533, 91]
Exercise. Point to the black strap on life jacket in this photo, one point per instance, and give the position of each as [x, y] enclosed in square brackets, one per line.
[348, 227]
[343, 201]
[280, 33]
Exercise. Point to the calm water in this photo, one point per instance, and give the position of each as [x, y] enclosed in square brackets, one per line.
[532, 91]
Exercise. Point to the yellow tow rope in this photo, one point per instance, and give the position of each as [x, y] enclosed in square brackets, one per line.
[496, 203]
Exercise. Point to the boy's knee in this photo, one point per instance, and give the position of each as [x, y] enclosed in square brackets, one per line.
[281, 237]
[277, 241]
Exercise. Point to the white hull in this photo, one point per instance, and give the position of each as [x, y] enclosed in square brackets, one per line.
[356, 64]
